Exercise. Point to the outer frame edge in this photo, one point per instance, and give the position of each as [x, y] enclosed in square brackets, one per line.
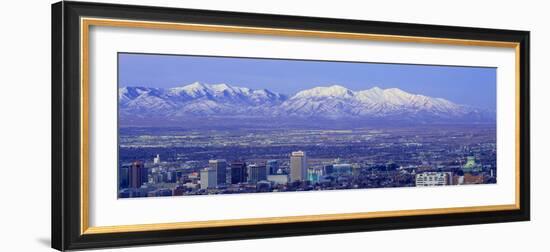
[56, 124]
[525, 130]
[77, 241]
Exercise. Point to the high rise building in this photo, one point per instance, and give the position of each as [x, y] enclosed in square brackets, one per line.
[257, 172]
[123, 178]
[238, 172]
[137, 174]
[209, 178]
[220, 165]
[298, 166]
[272, 166]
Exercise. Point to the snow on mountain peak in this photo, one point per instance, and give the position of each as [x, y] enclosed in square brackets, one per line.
[330, 91]
[337, 101]
[396, 91]
[196, 98]
[194, 87]
[332, 101]
[376, 89]
[221, 87]
[376, 93]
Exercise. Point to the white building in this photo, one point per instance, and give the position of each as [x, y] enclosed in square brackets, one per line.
[433, 179]
[191, 185]
[156, 160]
[209, 178]
[278, 178]
[298, 166]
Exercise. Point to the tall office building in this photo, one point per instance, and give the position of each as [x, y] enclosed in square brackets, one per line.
[137, 174]
[272, 166]
[156, 160]
[238, 172]
[123, 181]
[298, 166]
[220, 165]
[209, 178]
[257, 172]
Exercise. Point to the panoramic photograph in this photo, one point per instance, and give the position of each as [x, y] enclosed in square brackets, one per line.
[205, 125]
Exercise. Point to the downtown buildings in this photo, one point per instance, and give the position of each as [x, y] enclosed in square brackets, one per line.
[239, 172]
[295, 172]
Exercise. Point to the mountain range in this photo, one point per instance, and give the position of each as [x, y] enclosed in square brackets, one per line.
[334, 102]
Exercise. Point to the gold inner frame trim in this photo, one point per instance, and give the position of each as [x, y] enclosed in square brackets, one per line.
[85, 24]
[289, 219]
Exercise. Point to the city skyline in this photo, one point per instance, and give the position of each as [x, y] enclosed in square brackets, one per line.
[435, 156]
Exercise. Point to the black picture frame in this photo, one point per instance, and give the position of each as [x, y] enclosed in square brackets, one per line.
[66, 124]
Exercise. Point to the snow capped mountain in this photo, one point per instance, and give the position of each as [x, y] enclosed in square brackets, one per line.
[199, 100]
[337, 101]
[194, 99]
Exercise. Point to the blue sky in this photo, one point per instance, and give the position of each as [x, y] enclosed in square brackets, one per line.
[475, 86]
